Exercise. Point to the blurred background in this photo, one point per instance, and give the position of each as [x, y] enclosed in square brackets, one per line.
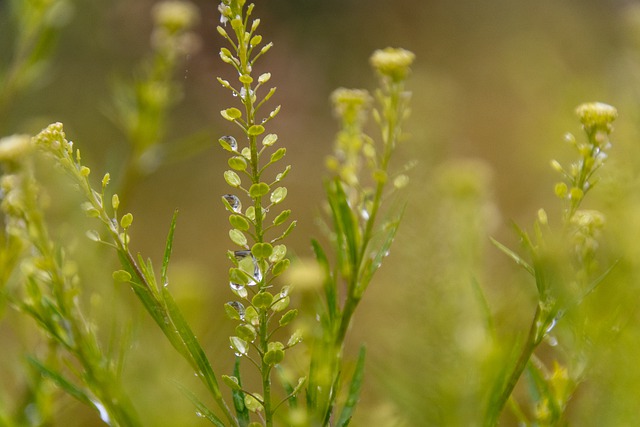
[495, 85]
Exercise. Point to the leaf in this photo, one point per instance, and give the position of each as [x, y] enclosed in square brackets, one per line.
[376, 262]
[514, 256]
[201, 408]
[61, 382]
[345, 223]
[242, 413]
[329, 284]
[354, 391]
[168, 248]
[197, 354]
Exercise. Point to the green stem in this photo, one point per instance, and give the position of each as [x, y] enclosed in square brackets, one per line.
[533, 339]
[265, 369]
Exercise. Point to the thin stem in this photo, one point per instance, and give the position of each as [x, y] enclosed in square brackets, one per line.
[533, 339]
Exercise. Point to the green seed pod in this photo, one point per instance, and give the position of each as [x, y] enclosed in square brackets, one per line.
[282, 217]
[278, 195]
[280, 152]
[258, 190]
[126, 220]
[232, 179]
[231, 382]
[121, 276]
[239, 222]
[238, 237]
[246, 332]
[288, 317]
[262, 300]
[262, 250]
[238, 163]
[231, 114]
[255, 130]
[269, 140]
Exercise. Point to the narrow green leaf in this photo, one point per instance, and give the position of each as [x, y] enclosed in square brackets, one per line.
[354, 391]
[329, 283]
[344, 221]
[196, 353]
[201, 408]
[167, 249]
[242, 413]
[514, 256]
[61, 382]
[382, 252]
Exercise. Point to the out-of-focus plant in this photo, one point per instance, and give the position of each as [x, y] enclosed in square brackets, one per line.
[141, 107]
[361, 233]
[47, 290]
[562, 261]
[36, 24]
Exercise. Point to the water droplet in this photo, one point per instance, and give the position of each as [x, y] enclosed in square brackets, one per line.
[552, 341]
[552, 325]
[364, 214]
[104, 415]
[257, 274]
[235, 286]
[231, 141]
[239, 308]
[234, 202]
[199, 414]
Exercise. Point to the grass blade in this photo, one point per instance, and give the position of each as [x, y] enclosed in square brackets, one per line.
[201, 408]
[514, 256]
[354, 391]
[62, 382]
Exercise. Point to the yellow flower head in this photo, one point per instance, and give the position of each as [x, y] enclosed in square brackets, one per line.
[392, 62]
[597, 115]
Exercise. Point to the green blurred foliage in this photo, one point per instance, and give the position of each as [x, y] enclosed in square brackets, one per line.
[494, 81]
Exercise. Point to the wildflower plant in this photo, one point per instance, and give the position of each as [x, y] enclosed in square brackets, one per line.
[564, 266]
[259, 257]
[361, 182]
[48, 293]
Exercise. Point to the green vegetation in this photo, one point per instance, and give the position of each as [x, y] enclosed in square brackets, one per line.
[89, 325]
